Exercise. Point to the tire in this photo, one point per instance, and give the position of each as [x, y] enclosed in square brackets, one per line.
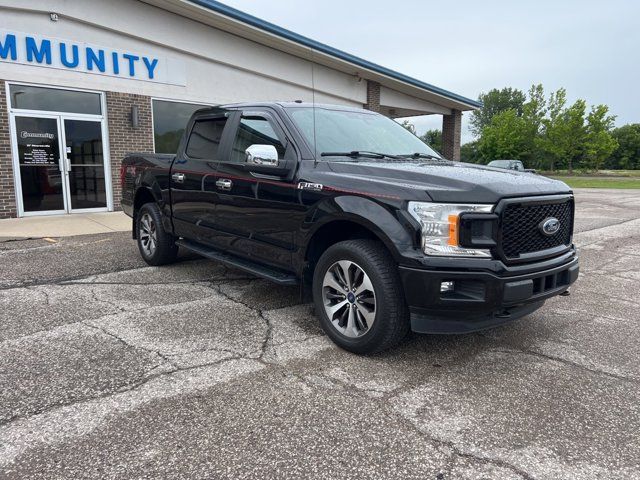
[156, 246]
[380, 317]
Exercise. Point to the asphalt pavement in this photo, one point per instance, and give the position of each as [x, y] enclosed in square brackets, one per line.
[112, 369]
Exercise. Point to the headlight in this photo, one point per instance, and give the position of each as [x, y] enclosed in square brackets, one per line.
[439, 228]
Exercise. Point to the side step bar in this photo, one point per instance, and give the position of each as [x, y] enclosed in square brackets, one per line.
[257, 269]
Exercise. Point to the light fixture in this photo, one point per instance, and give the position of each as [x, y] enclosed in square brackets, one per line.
[135, 120]
[447, 286]
[439, 228]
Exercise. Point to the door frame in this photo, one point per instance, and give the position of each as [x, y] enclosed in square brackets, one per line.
[61, 117]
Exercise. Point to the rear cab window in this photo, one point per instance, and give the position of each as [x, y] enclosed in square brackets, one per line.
[205, 138]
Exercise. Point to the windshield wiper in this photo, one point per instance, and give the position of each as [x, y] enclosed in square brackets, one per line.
[422, 155]
[358, 154]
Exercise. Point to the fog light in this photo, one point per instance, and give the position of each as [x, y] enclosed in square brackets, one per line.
[447, 287]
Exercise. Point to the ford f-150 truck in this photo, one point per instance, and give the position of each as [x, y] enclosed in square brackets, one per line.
[377, 228]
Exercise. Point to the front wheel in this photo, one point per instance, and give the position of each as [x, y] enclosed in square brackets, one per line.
[156, 246]
[358, 297]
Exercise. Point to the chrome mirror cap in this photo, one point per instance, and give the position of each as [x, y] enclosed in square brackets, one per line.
[262, 155]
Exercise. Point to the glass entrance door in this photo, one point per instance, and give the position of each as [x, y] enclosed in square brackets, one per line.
[41, 171]
[61, 164]
[84, 164]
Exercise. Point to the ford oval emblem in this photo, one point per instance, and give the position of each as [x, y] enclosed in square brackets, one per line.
[550, 226]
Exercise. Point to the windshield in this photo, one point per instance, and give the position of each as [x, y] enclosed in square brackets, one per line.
[348, 131]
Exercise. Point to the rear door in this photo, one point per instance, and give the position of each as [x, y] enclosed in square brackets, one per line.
[254, 214]
[193, 191]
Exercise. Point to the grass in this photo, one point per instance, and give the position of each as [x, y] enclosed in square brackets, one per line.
[594, 181]
[598, 174]
[599, 179]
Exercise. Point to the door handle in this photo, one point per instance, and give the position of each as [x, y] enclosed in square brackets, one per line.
[178, 177]
[224, 184]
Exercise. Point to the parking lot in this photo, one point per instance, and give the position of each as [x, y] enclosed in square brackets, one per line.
[112, 369]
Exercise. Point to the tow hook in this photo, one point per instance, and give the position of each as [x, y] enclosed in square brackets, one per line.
[566, 293]
[503, 314]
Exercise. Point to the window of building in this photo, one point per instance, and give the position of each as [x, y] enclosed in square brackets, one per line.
[169, 121]
[254, 131]
[204, 139]
[54, 100]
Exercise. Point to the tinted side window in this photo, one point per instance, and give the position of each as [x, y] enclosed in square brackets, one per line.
[204, 140]
[254, 131]
[170, 119]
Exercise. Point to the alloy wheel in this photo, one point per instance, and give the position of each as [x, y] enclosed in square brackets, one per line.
[349, 298]
[148, 235]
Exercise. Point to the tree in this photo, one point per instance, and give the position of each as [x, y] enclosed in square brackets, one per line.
[469, 153]
[627, 155]
[508, 136]
[433, 138]
[599, 144]
[549, 140]
[496, 101]
[563, 131]
[574, 133]
[550, 134]
[409, 126]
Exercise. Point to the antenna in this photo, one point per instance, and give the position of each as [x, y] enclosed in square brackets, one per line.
[313, 107]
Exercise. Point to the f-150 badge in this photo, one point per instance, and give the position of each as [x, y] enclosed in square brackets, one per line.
[310, 186]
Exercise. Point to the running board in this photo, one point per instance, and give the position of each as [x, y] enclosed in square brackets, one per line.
[257, 269]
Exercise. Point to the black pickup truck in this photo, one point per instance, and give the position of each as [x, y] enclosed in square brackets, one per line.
[382, 232]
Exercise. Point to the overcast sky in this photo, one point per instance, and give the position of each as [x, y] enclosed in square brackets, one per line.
[592, 48]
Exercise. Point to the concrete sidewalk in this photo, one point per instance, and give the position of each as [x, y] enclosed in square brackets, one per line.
[64, 225]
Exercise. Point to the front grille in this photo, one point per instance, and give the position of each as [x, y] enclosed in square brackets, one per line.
[521, 232]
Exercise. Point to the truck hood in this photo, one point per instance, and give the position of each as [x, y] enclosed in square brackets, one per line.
[447, 181]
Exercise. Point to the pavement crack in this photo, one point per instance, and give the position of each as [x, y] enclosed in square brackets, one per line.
[441, 444]
[568, 363]
[44, 293]
[259, 313]
[268, 335]
[94, 296]
[127, 344]
[124, 388]
[455, 449]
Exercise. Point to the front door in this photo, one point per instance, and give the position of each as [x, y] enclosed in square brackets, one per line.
[59, 164]
[84, 169]
[254, 216]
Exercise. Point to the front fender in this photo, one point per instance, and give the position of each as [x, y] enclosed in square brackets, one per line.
[381, 220]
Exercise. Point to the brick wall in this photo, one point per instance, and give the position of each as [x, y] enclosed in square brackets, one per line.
[451, 133]
[7, 192]
[123, 138]
[373, 96]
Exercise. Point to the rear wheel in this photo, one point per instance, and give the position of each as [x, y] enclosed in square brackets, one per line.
[156, 246]
[358, 297]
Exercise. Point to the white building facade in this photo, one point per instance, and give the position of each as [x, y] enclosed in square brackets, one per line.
[83, 82]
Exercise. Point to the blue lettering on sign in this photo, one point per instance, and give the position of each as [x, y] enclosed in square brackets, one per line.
[151, 65]
[65, 53]
[63, 56]
[116, 63]
[41, 54]
[9, 47]
[93, 59]
[132, 59]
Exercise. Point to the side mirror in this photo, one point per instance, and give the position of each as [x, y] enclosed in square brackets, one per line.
[263, 155]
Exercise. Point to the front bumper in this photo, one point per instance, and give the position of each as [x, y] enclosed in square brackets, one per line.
[480, 299]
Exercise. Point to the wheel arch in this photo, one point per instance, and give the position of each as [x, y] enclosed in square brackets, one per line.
[143, 195]
[348, 218]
